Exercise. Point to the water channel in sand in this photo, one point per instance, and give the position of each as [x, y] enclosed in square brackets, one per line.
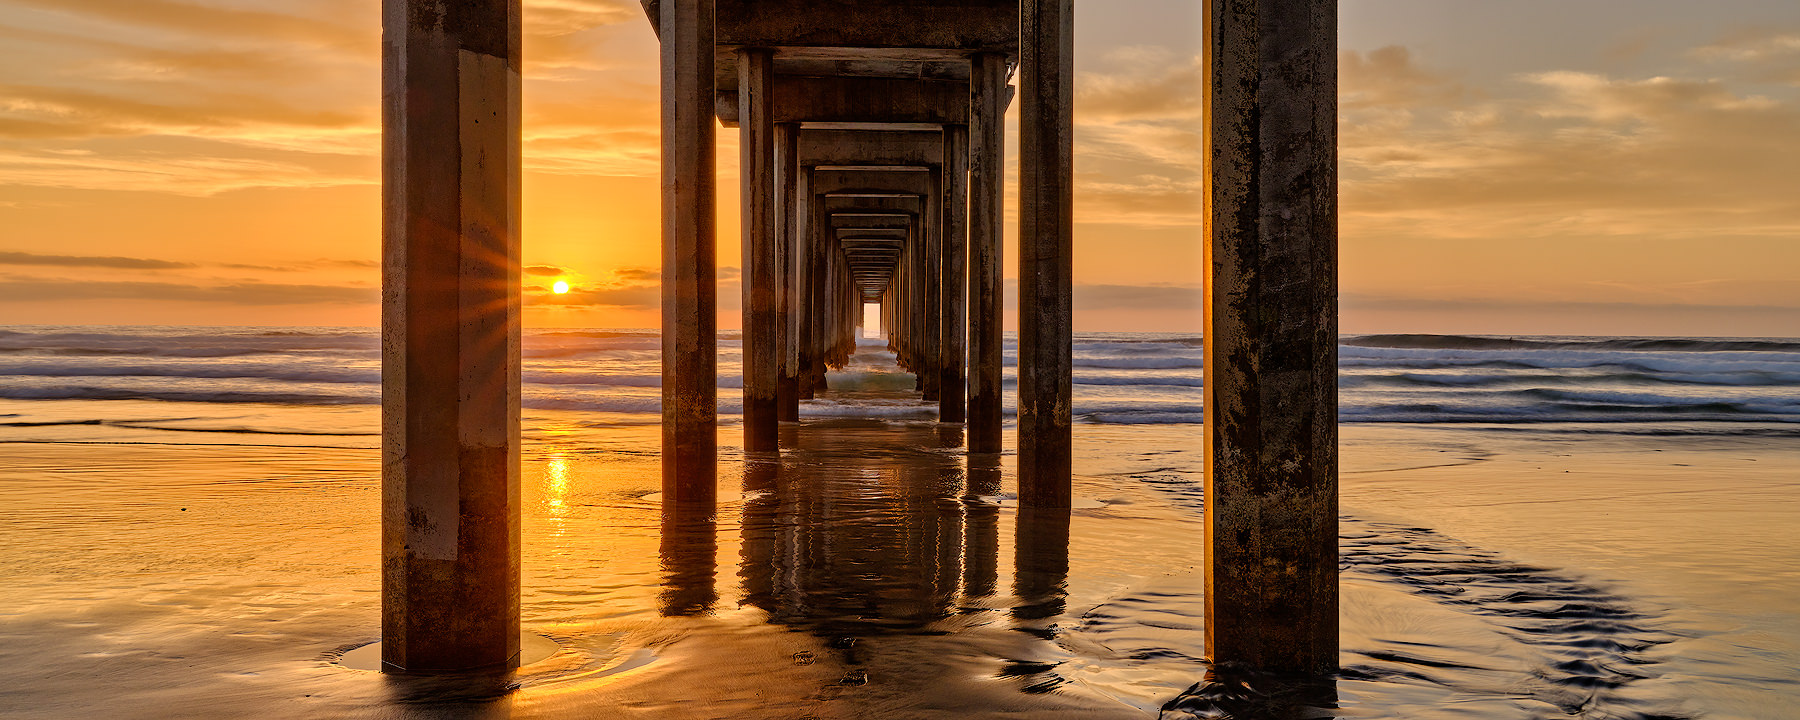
[875, 571]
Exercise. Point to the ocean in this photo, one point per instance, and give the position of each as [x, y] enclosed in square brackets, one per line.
[1633, 385]
[1533, 527]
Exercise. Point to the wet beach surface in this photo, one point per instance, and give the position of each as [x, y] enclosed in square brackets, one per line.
[874, 570]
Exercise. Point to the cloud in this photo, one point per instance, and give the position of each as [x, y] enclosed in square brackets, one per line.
[177, 173]
[1139, 297]
[1153, 85]
[545, 270]
[92, 261]
[1139, 140]
[215, 21]
[1389, 78]
[567, 17]
[61, 113]
[1764, 54]
[21, 289]
[1573, 154]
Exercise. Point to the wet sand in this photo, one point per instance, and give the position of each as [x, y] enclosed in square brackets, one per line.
[870, 572]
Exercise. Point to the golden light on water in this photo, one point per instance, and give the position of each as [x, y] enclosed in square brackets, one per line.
[560, 287]
[556, 485]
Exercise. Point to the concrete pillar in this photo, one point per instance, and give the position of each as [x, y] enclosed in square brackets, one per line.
[808, 288]
[1046, 249]
[954, 342]
[761, 329]
[917, 259]
[987, 176]
[689, 291]
[450, 335]
[792, 209]
[813, 362]
[932, 284]
[1271, 335]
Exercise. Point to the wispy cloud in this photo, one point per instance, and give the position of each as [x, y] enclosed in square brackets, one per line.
[18, 289]
[90, 261]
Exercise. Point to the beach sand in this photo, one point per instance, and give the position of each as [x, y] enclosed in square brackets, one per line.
[875, 571]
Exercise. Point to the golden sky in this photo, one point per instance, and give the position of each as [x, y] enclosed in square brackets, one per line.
[1527, 167]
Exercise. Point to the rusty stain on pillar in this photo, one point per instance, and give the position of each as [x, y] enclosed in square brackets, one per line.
[689, 291]
[954, 343]
[450, 334]
[1271, 335]
[792, 209]
[761, 335]
[1046, 249]
[987, 175]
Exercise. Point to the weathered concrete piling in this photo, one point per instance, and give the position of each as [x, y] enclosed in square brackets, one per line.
[987, 187]
[1271, 335]
[450, 334]
[689, 271]
[1046, 249]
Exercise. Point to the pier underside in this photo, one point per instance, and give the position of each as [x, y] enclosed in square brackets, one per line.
[872, 161]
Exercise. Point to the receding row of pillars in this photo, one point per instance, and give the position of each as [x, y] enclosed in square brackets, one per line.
[451, 306]
[791, 237]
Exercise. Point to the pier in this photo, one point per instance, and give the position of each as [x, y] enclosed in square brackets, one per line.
[872, 139]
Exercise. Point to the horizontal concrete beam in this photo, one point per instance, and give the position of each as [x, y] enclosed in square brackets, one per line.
[921, 26]
[854, 99]
[841, 204]
[967, 25]
[870, 233]
[842, 182]
[891, 222]
[846, 148]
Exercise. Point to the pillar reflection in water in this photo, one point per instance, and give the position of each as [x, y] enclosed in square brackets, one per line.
[1236, 690]
[1041, 556]
[981, 512]
[690, 556]
[859, 531]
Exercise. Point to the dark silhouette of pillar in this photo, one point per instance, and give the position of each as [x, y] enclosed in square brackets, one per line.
[952, 399]
[450, 327]
[689, 291]
[1046, 249]
[1271, 335]
[761, 329]
[987, 176]
[932, 287]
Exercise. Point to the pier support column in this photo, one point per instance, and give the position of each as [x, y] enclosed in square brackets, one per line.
[1046, 249]
[955, 346]
[1271, 335]
[931, 356]
[915, 289]
[761, 329]
[450, 335]
[792, 209]
[812, 282]
[689, 272]
[987, 176]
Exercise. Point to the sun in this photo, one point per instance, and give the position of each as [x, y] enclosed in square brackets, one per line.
[560, 287]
